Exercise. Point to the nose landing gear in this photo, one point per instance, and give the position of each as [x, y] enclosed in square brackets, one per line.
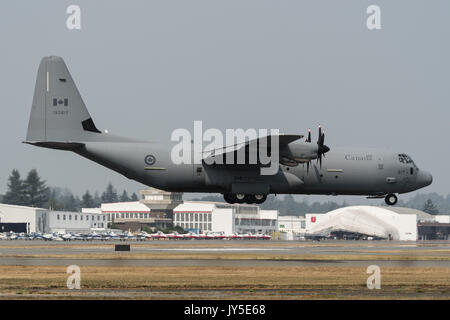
[391, 199]
[245, 198]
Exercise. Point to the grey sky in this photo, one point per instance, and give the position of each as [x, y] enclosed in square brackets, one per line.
[145, 68]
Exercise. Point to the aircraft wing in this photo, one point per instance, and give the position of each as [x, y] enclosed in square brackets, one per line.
[246, 148]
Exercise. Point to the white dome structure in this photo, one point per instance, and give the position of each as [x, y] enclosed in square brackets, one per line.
[380, 222]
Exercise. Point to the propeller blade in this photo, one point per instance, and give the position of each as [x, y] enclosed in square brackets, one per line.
[309, 136]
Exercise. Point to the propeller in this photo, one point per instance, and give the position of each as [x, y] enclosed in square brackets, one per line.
[322, 148]
[308, 139]
[309, 136]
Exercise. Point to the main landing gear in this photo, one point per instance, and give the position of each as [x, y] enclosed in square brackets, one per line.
[391, 199]
[244, 198]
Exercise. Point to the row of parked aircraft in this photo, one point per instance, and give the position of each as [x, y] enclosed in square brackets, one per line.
[124, 236]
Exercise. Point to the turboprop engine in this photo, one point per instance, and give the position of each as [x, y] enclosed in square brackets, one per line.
[304, 152]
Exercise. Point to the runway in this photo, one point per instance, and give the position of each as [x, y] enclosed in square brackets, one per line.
[20, 247]
[230, 253]
[216, 263]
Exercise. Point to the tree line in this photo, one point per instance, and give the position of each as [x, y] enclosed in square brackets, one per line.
[33, 192]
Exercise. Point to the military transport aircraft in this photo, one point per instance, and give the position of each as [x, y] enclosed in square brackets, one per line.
[60, 120]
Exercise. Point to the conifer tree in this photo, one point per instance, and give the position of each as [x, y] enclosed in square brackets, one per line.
[15, 193]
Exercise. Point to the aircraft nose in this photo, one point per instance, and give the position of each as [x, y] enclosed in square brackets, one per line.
[424, 178]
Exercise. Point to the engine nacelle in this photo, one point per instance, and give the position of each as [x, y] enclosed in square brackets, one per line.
[299, 152]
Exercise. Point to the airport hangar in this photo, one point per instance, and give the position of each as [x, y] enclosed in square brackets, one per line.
[392, 223]
[362, 222]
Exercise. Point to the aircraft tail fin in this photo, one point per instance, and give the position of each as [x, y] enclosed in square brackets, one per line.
[58, 113]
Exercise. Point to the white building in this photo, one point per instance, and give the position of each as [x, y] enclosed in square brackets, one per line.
[203, 216]
[291, 227]
[296, 224]
[126, 211]
[380, 222]
[200, 216]
[77, 222]
[29, 219]
[23, 219]
[263, 221]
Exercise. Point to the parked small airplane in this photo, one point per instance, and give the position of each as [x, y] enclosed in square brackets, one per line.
[191, 236]
[77, 236]
[110, 236]
[52, 237]
[158, 235]
[175, 236]
[93, 236]
[141, 236]
[127, 235]
[35, 236]
[60, 120]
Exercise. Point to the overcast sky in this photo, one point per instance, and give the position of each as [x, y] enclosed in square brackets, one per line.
[145, 68]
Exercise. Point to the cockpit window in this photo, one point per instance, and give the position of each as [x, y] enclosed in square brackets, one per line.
[404, 158]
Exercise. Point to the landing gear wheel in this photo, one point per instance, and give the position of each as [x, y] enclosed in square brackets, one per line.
[391, 199]
[244, 198]
[260, 198]
[240, 198]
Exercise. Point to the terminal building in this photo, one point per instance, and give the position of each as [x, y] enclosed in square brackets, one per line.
[161, 209]
[200, 216]
[155, 210]
[194, 216]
